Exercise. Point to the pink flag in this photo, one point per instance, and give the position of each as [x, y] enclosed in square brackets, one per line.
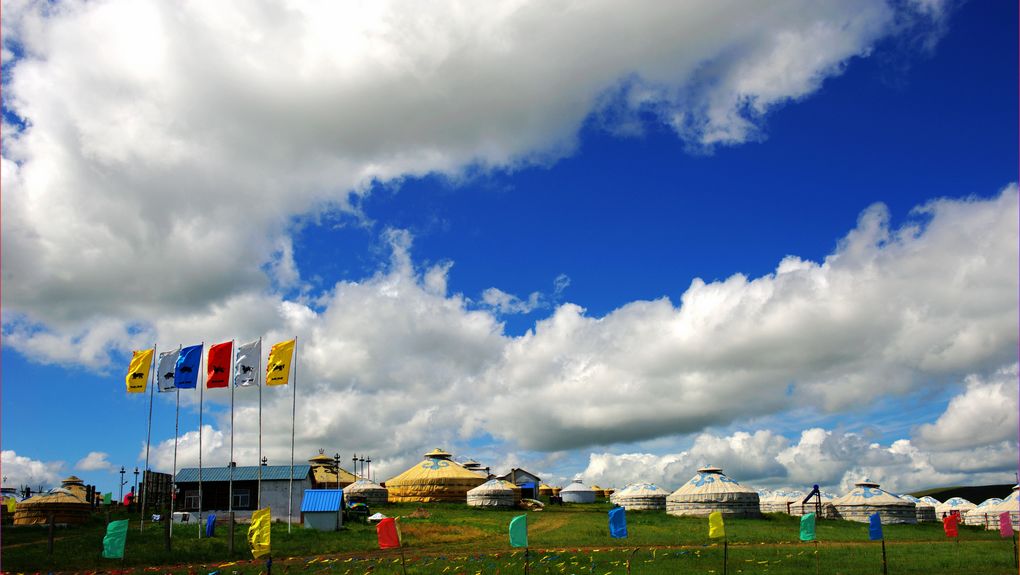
[1005, 524]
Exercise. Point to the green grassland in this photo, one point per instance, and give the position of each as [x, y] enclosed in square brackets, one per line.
[572, 539]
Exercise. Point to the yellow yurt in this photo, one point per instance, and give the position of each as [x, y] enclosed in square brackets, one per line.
[545, 491]
[600, 493]
[437, 478]
[75, 485]
[324, 473]
[67, 509]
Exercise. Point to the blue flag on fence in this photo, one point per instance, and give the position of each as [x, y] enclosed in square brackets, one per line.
[186, 370]
[210, 525]
[875, 530]
[617, 522]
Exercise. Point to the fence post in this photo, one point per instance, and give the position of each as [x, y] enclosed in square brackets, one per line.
[50, 520]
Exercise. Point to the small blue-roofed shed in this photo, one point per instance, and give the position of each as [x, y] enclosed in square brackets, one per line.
[321, 509]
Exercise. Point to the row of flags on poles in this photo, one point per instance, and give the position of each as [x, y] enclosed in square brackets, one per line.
[180, 368]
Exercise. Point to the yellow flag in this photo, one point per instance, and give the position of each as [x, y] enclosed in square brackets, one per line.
[12, 505]
[258, 533]
[138, 371]
[278, 368]
[715, 525]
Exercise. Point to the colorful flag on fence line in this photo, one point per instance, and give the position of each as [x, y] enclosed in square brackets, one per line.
[519, 531]
[1005, 524]
[166, 369]
[716, 529]
[949, 525]
[12, 505]
[807, 527]
[617, 522]
[108, 498]
[388, 533]
[278, 367]
[875, 527]
[138, 372]
[246, 366]
[258, 533]
[217, 365]
[188, 364]
[115, 539]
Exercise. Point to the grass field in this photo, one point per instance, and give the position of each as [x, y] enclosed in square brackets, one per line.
[573, 539]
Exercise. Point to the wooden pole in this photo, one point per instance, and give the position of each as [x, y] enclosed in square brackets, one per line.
[725, 555]
[629, 557]
[403, 568]
[885, 569]
[1015, 558]
[816, 557]
[526, 561]
[50, 521]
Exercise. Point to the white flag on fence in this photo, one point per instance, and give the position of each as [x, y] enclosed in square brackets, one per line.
[246, 366]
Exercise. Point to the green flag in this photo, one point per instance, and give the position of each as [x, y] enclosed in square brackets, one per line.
[116, 537]
[107, 498]
[519, 531]
[807, 527]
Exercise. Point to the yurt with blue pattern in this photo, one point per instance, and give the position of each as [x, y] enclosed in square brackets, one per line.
[711, 490]
[925, 510]
[981, 515]
[436, 478]
[1012, 504]
[953, 504]
[641, 497]
[866, 498]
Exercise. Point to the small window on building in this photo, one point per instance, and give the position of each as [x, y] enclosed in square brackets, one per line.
[191, 500]
[242, 498]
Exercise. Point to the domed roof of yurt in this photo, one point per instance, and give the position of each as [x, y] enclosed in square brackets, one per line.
[980, 514]
[1011, 504]
[577, 492]
[599, 491]
[544, 490]
[494, 493]
[867, 497]
[437, 478]
[641, 497]
[65, 505]
[370, 491]
[925, 511]
[75, 485]
[324, 472]
[954, 504]
[711, 490]
[779, 501]
[931, 500]
[472, 465]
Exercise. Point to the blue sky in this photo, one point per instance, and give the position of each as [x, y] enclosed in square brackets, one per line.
[542, 276]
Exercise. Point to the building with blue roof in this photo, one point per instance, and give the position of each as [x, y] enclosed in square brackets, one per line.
[275, 487]
[321, 509]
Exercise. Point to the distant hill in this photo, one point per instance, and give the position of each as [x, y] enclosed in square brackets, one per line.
[974, 494]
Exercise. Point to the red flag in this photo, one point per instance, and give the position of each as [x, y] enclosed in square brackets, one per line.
[218, 364]
[1005, 524]
[389, 537]
[949, 525]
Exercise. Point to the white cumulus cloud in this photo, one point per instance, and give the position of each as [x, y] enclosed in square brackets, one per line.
[21, 470]
[94, 461]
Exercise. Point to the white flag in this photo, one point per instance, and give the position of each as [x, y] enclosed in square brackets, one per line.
[165, 371]
[246, 366]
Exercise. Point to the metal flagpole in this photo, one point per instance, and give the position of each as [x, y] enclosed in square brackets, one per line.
[259, 384]
[201, 390]
[293, 415]
[173, 482]
[230, 489]
[148, 434]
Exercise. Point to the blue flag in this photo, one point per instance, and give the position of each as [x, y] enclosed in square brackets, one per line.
[188, 364]
[210, 525]
[617, 522]
[875, 531]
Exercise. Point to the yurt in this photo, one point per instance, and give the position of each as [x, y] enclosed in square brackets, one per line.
[641, 497]
[437, 478]
[711, 490]
[577, 492]
[324, 473]
[67, 509]
[980, 514]
[1011, 504]
[931, 501]
[609, 492]
[494, 493]
[957, 504]
[866, 498]
[925, 511]
[75, 485]
[472, 465]
[545, 490]
[779, 501]
[600, 493]
[371, 492]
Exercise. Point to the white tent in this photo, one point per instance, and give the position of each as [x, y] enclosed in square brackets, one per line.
[779, 501]
[371, 492]
[1011, 504]
[494, 493]
[710, 490]
[577, 492]
[827, 511]
[866, 498]
[980, 515]
[640, 496]
[958, 504]
[924, 510]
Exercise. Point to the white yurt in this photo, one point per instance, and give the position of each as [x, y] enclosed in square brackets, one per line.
[866, 498]
[957, 504]
[931, 501]
[924, 510]
[1011, 504]
[641, 497]
[825, 499]
[711, 490]
[980, 514]
[370, 491]
[577, 492]
[494, 493]
[780, 501]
